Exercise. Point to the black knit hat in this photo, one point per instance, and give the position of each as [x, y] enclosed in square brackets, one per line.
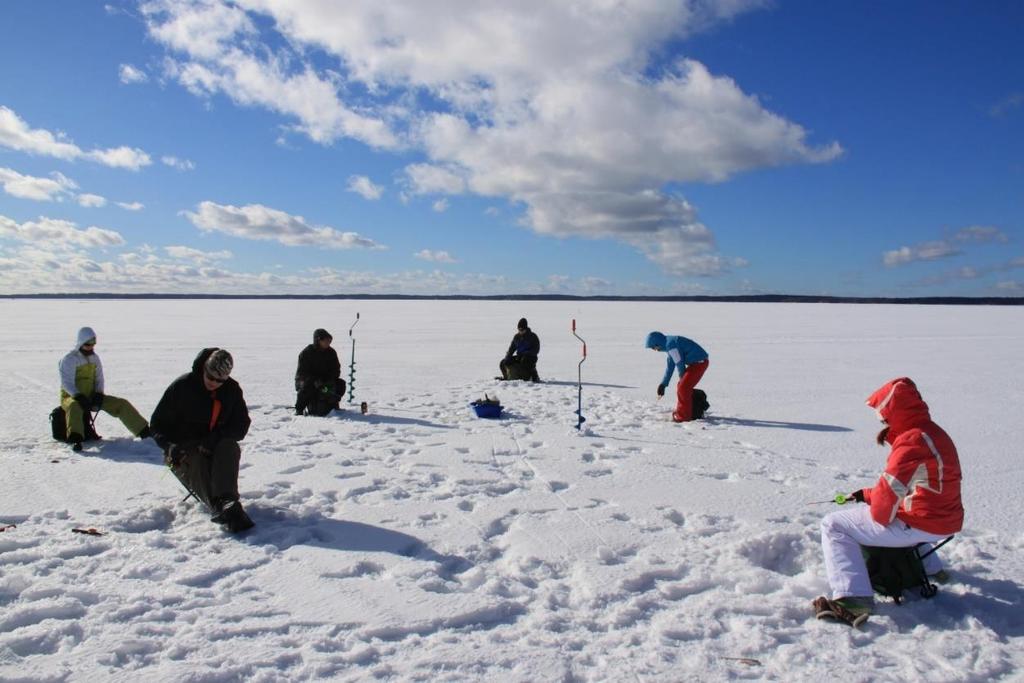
[321, 333]
[522, 324]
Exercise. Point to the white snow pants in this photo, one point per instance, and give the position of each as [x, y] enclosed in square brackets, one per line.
[845, 531]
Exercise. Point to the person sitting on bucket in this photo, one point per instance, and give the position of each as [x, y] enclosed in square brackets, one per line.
[692, 361]
[318, 377]
[916, 499]
[520, 361]
[198, 423]
[82, 390]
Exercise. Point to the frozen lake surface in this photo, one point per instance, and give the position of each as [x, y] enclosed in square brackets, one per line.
[418, 542]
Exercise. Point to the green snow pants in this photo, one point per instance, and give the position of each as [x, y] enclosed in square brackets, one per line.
[112, 405]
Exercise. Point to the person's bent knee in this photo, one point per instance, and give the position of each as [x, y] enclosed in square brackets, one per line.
[227, 448]
[831, 525]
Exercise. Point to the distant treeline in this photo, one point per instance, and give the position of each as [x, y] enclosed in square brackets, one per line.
[754, 298]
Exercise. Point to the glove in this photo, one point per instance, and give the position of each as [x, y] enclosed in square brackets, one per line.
[175, 455]
[83, 400]
[857, 495]
[97, 401]
[661, 390]
[210, 441]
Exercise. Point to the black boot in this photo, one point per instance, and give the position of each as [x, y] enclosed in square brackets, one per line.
[76, 442]
[90, 431]
[232, 515]
[145, 433]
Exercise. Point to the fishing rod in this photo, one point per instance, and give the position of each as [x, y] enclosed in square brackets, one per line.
[840, 499]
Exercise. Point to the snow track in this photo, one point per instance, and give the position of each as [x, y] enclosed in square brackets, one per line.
[418, 542]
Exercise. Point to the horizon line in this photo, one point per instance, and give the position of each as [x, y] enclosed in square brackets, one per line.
[739, 298]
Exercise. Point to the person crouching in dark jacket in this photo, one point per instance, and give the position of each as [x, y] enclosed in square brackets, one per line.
[198, 423]
[520, 361]
[318, 377]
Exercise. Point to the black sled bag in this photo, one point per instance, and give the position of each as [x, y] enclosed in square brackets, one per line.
[58, 424]
[894, 570]
[699, 404]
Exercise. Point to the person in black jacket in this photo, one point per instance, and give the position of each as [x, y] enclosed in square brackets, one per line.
[198, 424]
[318, 377]
[520, 361]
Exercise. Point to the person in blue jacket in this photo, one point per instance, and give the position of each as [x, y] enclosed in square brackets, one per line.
[692, 361]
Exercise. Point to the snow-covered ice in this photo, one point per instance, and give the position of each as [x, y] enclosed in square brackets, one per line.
[419, 542]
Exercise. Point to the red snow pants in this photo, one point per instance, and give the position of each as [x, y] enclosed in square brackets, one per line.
[684, 391]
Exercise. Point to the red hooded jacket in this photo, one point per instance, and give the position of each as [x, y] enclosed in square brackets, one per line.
[921, 482]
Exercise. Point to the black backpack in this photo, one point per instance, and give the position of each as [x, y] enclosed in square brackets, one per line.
[699, 404]
[58, 425]
[894, 570]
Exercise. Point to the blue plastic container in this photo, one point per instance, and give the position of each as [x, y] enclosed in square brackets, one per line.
[488, 410]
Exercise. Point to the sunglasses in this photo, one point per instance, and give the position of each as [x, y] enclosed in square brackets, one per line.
[213, 380]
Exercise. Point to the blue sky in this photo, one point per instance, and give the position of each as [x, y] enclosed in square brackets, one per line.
[686, 147]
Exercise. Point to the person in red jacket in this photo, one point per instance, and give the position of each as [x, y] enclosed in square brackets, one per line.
[916, 500]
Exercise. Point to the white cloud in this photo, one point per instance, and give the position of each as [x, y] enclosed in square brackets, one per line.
[91, 200]
[60, 232]
[430, 179]
[129, 74]
[981, 233]
[16, 134]
[258, 222]
[50, 189]
[938, 249]
[197, 255]
[440, 205]
[972, 272]
[435, 256]
[1011, 287]
[178, 164]
[1006, 105]
[926, 251]
[34, 269]
[560, 107]
[131, 206]
[583, 286]
[365, 187]
[558, 283]
[121, 157]
[591, 284]
[219, 43]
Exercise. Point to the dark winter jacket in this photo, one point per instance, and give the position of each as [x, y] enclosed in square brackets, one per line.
[525, 345]
[316, 363]
[184, 413]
